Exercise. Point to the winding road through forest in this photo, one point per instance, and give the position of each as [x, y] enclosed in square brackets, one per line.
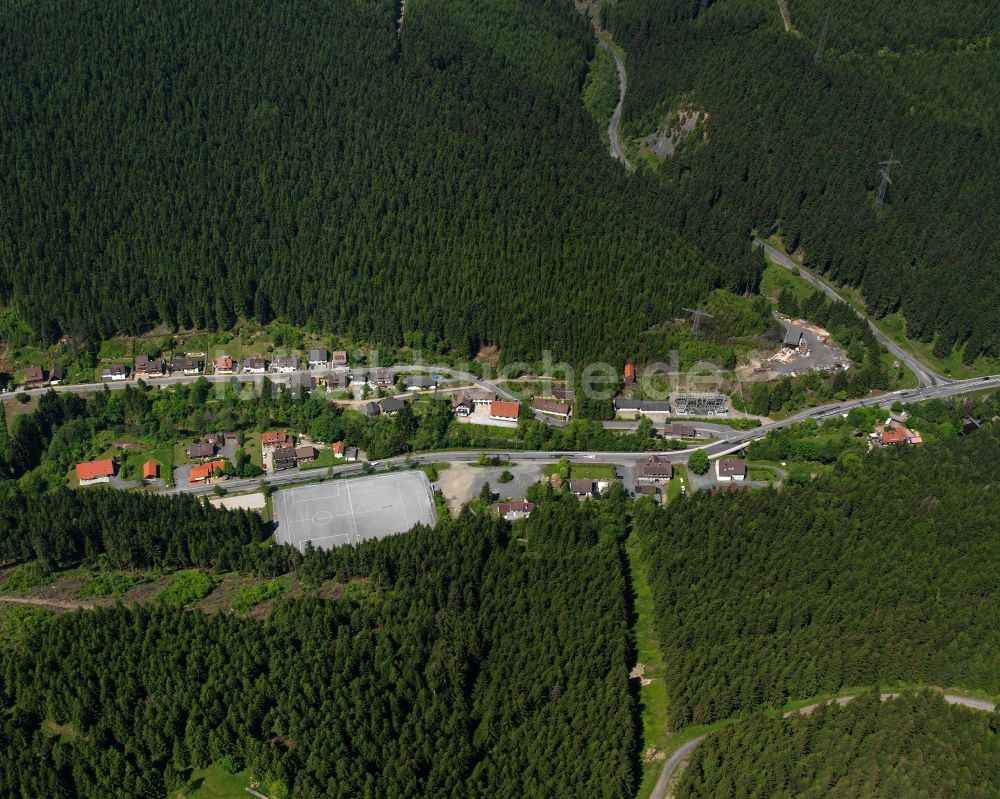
[613, 126]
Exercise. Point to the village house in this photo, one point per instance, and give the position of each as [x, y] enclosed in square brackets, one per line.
[629, 374]
[654, 469]
[371, 409]
[33, 376]
[318, 359]
[679, 431]
[648, 491]
[57, 374]
[223, 365]
[564, 394]
[302, 380]
[560, 409]
[420, 382]
[187, 365]
[351, 454]
[334, 381]
[339, 358]
[392, 406]
[149, 367]
[512, 511]
[894, 433]
[254, 365]
[283, 458]
[462, 405]
[338, 448]
[381, 378]
[197, 452]
[116, 372]
[286, 364]
[150, 470]
[206, 471]
[305, 453]
[795, 340]
[275, 440]
[584, 489]
[730, 469]
[95, 472]
[503, 411]
[481, 398]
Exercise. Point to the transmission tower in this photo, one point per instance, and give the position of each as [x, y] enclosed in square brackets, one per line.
[822, 37]
[885, 182]
[696, 316]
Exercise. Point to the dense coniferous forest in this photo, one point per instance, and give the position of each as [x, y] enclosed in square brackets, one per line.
[463, 666]
[797, 144]
[912, 746]
[875, 573]
[192, 163]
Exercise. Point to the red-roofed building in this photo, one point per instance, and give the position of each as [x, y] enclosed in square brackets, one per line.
[629, 374]
[515, 510]
[95, 472]
[276, 440]
[338, 448]
[150, 470]
[205, 471]
[502, 411]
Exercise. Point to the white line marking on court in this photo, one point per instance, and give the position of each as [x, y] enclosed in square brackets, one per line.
[354, 524]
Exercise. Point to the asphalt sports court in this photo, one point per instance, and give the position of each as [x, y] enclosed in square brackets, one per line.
[351, 511]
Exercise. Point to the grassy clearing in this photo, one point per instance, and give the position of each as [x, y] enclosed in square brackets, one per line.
[653, 696]
[324, 459]
[679, 481]
[249, 596]
[110, 584]
[186, 587]
[777, 279]
[584, 471]
[762, 474]
[24, 577]
[214, 782]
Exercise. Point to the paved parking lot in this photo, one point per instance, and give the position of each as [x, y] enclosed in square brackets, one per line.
[350, 511]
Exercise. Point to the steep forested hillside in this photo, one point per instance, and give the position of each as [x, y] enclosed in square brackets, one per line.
[192, 162]
[875, 573]
[795, 143]
[457, 665]
[910, 747]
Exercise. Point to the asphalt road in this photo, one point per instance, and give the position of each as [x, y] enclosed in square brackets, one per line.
[616, 116]
[684, 751]
[925, 375]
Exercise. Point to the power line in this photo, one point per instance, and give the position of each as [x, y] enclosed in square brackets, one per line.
[885, 182]
[696, 316]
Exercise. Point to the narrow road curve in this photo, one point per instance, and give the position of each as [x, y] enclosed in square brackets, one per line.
[613, 136]
[683, 752]
[925, 375]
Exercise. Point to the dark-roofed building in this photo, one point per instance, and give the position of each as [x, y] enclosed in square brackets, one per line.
[564, 394]
[305, 453]
[286, 364]
[552, 407]
[201, 451]
[318, 359]
[254, 365]
[33, 376]
[654, 469]
[283, 458]
[462, 405]
[116, 372]
[793, 338]
[57, 374]
[635, 407]
[302, 380]
[149, 367]
[582, 488]
[371, 409]
[351, 454]
[730, 469]
[391, 405]
[381, 378]
[420, 382]
[187, 365]
[679, 431]
[335, 381]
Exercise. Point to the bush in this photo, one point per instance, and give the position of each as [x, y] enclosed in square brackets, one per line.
[505, 477]
[187, 587]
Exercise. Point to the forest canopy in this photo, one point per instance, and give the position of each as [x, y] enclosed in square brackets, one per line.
[878, 572]
[194, 163]
[791, 140]
[915, 745]
[457, 665]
